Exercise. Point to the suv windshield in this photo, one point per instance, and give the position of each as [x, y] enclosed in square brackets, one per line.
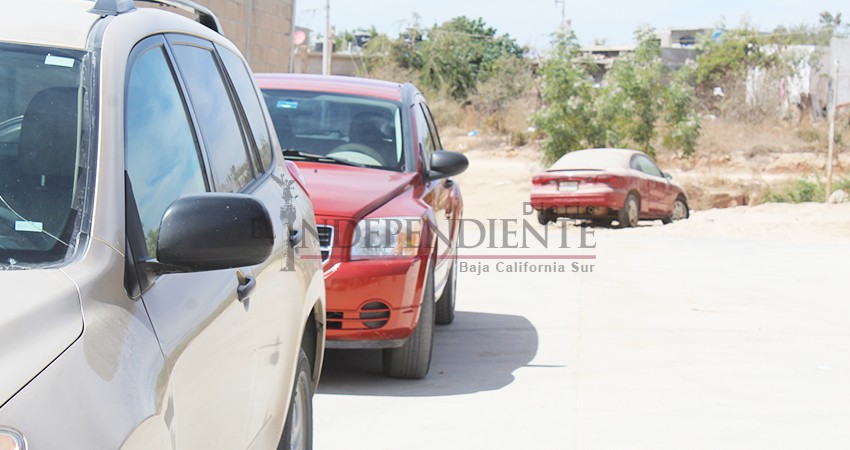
[40, 92]
[360, 130]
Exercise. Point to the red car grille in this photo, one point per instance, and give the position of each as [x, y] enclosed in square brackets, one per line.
[326, 240]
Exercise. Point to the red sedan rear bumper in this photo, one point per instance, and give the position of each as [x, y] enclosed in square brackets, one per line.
[373, 303]
[578, 201]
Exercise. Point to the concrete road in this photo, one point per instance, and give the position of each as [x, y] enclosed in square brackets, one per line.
[669, 343]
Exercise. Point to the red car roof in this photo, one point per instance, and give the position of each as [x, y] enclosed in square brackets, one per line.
[341, 85]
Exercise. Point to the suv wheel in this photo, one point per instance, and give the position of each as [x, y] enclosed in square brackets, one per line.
[298, 432]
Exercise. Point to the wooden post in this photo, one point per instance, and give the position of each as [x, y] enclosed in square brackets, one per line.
[831, 147]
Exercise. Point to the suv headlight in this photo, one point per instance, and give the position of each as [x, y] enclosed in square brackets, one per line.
[386, 236]
[12, 440]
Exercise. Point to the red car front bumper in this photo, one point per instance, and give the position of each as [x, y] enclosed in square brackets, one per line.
[373, 303]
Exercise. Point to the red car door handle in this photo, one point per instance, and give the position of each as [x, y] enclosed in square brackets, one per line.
[448, 183]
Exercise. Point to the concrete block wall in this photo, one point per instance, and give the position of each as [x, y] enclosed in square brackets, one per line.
[262, 29]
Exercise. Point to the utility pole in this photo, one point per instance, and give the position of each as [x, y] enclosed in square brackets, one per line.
[831, 146]
[564, 23]
[326, 47]
[292, 39]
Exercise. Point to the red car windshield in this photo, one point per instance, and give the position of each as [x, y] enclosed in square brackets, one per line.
[359, 130]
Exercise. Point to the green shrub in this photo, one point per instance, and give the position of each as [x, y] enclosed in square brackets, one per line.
[518, 138]
[804, 190]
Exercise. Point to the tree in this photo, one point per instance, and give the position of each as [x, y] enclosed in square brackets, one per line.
[460, 53]
[509, 81]
[636, 97]
[728, 57]
[680, 115]
[453, 57]
[631, 99]
[568, 117]
[827, 19]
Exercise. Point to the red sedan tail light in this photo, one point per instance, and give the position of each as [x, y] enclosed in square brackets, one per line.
[611, 180]
[542, 180]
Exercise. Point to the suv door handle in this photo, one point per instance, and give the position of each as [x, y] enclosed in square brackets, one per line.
[295, 237]
[245, 288]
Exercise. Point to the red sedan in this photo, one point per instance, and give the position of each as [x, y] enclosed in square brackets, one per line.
[607, 184]
[387, 209]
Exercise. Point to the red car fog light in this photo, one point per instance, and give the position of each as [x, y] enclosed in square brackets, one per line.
[375, 314]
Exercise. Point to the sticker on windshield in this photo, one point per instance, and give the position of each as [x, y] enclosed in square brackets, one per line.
[31, 227]
[60, 61]
[287, 104]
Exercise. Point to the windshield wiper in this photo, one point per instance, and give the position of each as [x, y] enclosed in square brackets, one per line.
[320, 158]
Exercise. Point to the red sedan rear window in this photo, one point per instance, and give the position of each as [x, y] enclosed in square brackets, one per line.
[598, 159]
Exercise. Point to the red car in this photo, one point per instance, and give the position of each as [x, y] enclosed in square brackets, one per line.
[386, 206]
[607, 184]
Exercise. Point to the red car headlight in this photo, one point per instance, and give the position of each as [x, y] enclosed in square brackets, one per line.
[386, 237]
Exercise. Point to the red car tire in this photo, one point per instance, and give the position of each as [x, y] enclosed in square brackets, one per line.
[446, 304]
[413, 359]
[630, 214]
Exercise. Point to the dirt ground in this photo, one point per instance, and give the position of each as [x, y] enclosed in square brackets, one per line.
[735, 164]
[724, 331]
[498, 182]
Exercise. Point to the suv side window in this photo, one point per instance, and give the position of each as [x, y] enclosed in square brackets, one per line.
[162, 154]
[246, 90]
[424, 138]
[217, 120]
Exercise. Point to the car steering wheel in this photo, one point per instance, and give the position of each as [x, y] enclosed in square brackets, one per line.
[365, 150]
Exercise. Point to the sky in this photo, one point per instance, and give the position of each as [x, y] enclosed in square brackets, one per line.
[531, 22]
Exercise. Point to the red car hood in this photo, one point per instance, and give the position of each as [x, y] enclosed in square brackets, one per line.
[350, 192]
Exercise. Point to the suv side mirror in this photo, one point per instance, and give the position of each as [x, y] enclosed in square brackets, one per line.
[213, 231]
[446, 164]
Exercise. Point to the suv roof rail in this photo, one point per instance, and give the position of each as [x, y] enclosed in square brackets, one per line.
[203, 15]
[112, 7]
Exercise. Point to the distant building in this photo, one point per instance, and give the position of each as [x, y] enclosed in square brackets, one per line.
[681, 37]
[810, 86]
[604, 56]
[839, 51]
[346, 61]
[678, 46]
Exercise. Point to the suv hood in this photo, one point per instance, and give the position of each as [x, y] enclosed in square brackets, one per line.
[40, 316]
[350, 192]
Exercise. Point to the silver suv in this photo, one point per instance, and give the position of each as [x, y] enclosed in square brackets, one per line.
[159, 288]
